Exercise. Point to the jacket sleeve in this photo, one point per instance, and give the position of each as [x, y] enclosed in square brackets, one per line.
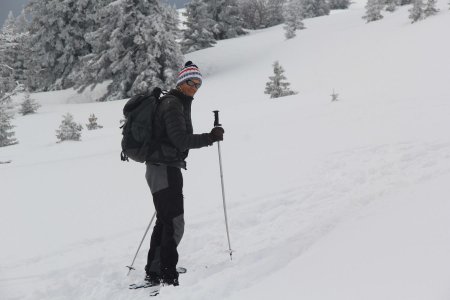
[175, 124]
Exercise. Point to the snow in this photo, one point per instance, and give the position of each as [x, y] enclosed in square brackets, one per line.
[326, 200]
[385, 251]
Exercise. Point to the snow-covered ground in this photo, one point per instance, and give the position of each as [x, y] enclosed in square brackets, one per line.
[344, 200]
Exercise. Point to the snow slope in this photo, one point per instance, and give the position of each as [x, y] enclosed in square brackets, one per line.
[343, 200]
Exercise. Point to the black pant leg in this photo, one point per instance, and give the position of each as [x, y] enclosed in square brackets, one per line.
[153, 266]
[167, 182]
[171, 213]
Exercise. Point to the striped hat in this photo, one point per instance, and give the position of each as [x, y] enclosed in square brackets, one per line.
[188, 72]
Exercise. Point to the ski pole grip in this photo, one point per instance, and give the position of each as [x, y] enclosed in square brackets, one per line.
[216, 118]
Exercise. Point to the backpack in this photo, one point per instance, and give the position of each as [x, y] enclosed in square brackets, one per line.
[138, 141]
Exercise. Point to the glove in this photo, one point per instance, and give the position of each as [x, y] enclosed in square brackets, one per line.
[216, 134]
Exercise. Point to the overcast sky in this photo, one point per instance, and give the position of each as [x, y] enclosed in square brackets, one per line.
[16, 6]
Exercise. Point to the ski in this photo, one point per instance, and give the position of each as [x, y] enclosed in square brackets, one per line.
[155, 287]
[143, 285]
[154, 290]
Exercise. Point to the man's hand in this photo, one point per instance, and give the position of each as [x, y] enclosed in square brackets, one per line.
[216, 134]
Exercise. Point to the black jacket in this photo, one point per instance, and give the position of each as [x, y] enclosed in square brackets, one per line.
[173, 131]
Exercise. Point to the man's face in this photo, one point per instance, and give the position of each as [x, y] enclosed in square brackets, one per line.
[190, 86]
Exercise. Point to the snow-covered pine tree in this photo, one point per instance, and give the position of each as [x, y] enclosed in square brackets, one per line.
[293, 17]
[252, 13]
[12, 54]
[22, 22]
[257, 14]
[6, 128]
[315, 8]
[278, 86]
[6, 116]
[391, 5]
[166, 50]
[416, 13]
[373, 10]
[7, 73]
[19, 54]
[9, 26]
[198, 34]
[228, 22]
[69, 130]
[430, 8]
[334, 96]
[339, 4]
[57, 40]
[134, 47]
[274, 12]
[28, 105]
[93, 125]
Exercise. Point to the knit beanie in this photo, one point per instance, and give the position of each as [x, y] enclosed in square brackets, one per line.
[188, 72]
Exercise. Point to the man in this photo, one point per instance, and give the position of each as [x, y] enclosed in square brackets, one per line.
[174, 135]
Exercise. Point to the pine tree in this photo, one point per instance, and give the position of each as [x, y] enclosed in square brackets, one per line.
[257, 14]
[69, 130]
[93, 123]
[373, 10]
[29, 105]
[7, 73]
[6, 116]
[334, 96]
[416, 13]
[315, 8]
[339, 4]
[12, 54]
[228, 22]
[21, 22]
[391, 5]
[134, 48]
[274, 12]
[9, 26]
[19, 54]
[430, 8]
[277, 86]
[198, 34]
[57, 31]
[253, 13]
[293, 18]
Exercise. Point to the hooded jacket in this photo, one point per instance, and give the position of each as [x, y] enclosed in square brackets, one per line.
[173, 131]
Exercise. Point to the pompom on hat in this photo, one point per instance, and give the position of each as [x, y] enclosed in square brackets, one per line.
[190, 71]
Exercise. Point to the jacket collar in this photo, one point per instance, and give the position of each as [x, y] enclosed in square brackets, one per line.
[180, 95]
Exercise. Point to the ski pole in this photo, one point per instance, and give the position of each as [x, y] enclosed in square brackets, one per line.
[216, 124]
[143, 238]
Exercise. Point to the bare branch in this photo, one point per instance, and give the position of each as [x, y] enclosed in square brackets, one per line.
[6, 66]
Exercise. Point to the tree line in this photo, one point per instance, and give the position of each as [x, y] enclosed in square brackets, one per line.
[132, 44]
[138, 44]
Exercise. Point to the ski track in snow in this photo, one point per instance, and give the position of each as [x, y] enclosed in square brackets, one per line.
[267, 232]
